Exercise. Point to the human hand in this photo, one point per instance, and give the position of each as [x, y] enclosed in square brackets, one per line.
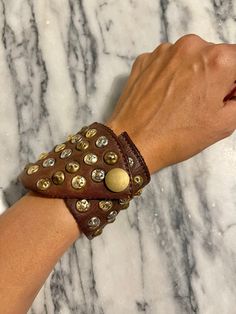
[174, 103]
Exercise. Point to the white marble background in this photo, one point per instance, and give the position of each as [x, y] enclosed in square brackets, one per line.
[63, 64]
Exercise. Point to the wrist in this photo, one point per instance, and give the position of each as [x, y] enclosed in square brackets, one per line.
[152, 160]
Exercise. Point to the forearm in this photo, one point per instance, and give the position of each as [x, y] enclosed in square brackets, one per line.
[34, 233]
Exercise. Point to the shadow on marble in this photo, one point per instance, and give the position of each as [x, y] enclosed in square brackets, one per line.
[114, 94]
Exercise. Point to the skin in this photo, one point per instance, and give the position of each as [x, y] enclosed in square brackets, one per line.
[180, 98]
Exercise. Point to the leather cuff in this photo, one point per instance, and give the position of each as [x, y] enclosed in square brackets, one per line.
[95, 171]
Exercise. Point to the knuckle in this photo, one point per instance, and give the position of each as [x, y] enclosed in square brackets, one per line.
[186, 41]
[140, 59]
[216, 55]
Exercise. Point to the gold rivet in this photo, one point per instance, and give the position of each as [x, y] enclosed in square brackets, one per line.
[117, 180]
[97, 232]
[76, 138]
[43, 184]
[105, 205]
[90, 159]
[43, 156]
[139, 192]
[58, 177]
[83, 145]
[78, 182]
[69, 137]
[59, 147]
[90, 133]
[138, 180]
[124, 203]
[72, 167]
[82, 205]
[32, 169]
[110, 158]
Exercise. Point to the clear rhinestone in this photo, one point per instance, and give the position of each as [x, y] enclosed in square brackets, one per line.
[90, 159]
[112, 215]
[94, 222]
[131, 161]
[102, 141]
[82, 205]
[91, 133]
[105, 205]
[98, 175]
[78, 182]
[66, 153]
[76, 138]
[32, 169]
[50, 162]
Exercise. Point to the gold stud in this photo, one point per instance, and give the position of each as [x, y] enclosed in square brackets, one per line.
[32, 169]
[43, 184]
[138, 180]
[90, 159]
[78, 182]
[76, 138]
[124, 203]
[110, 158]
[105, 205]
[83, 145]
[58, 177]
[139, 192]
[117, 180]
[59, 147]
[43, 156]
[97, 232]
[72, 167]
[90, 133]
[82, 206]
[84, 129]
[69, 137]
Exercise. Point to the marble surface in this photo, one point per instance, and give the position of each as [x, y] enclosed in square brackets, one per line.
[63, 64]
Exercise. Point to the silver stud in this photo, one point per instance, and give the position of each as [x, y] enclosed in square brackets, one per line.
[90, 159]
[78, 182]
[50, 162]
[105, 205]
[112, 216]
[94, 222]
[102, 141]
[66, 153]
[82, 205]
[131, 161]
[98, 175]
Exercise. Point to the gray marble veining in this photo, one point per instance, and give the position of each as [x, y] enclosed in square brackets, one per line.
[63, 64]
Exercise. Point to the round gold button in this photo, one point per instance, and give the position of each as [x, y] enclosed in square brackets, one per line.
[111, 158]
[72, 166]
[43, 156]
[117, 180]
[59, 147]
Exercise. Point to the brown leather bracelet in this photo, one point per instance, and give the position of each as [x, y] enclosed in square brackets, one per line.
[95, 171]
